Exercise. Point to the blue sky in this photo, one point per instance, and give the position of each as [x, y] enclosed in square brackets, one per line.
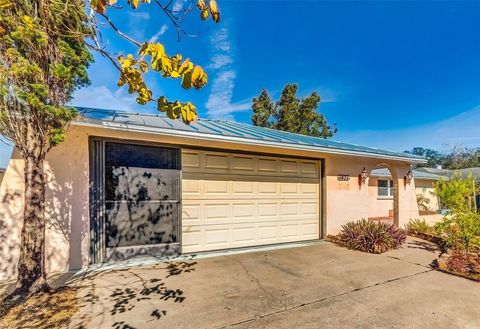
[391, 74]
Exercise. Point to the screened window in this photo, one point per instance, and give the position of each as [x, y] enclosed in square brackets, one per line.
[385, 188]
[142, 195]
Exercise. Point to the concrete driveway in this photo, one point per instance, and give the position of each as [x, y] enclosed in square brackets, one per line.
[314, 286]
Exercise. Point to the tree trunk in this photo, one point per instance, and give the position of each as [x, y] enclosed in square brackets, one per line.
[31, 265]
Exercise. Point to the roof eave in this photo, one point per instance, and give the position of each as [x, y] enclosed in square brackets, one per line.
[240, 140]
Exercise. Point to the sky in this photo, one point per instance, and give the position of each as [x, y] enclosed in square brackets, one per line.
[391, 74]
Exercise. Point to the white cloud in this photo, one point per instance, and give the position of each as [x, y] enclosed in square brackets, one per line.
[137, 24]
[219, 61]
[442, 135]
[178, 5]
[103, 98]
[219, 104]
[220, 40]
[160, 32]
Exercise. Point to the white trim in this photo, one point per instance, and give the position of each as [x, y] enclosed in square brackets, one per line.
[239, 140]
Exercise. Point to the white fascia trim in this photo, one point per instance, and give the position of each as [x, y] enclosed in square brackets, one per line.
[239, 140]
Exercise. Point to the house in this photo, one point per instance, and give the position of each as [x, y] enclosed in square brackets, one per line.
[381, 192]
[125, 184]
[466, 172]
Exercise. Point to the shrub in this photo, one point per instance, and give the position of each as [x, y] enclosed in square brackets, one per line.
[418, 226]
[461, 230]
[371, 236]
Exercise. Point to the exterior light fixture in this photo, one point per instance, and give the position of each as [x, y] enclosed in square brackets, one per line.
[363, 176]
[408, 177]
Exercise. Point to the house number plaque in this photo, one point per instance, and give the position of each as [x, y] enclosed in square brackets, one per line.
[343, 178]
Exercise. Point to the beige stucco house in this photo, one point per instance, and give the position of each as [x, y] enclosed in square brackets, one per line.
[124, 184]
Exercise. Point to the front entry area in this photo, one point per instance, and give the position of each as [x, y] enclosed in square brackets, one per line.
[136, 193]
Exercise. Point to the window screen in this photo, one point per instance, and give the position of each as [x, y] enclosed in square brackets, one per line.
[142, 194]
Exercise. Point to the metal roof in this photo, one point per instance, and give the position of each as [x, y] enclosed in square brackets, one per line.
[466, 172]
[384, 172]
[232, 131]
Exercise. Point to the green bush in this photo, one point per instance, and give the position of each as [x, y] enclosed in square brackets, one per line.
[460, 230]
[369, 236]
[418, 226]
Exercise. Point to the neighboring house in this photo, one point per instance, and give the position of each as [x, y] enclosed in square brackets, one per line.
[124, 184]
[2, 173]
[381, 191]
[467, 172]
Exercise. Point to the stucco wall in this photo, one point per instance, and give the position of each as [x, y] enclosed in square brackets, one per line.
[426, 189]
[67, 244]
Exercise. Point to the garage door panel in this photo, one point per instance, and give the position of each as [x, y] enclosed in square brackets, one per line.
[267, 209]
[268, 188]
[251, 201]
[215, 187]
[267, 165]
[244, 210]
[243, 187]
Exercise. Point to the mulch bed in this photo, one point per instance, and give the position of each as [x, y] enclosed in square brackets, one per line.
[51, 310]
[459, 264]
[453, 262]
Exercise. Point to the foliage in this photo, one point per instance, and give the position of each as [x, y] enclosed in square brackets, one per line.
[418, 225]
[43, 60]
[44, 55]
[369, 236]
[460, 230]
[152, 56]
[455, 193]
[291, 114]
[422, 202]
[433, 157]
[458, 157]
[461, 157]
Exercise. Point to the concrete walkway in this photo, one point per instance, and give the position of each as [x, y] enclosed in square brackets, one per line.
[315, 286]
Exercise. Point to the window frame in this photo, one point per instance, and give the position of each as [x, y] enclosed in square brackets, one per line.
[390, 188]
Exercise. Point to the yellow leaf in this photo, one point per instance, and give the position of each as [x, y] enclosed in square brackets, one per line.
[187, 80]
[27, 20]
[204, 14]
[5, 3]
[99, 5]
[201, 5]
[143, 66]
[186, 66]
[214, 10]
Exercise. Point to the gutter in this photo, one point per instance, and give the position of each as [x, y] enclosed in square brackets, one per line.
[240, 140]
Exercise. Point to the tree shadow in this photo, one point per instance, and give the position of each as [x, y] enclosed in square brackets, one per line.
[106, 304]
[423, 245]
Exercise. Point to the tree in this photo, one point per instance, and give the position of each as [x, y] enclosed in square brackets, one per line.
[291, 114]
[455, 193]
[433, 157]
[45, 50]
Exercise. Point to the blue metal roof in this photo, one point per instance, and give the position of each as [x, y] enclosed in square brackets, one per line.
[149, 122]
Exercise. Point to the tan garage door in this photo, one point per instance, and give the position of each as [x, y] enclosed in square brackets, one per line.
[237, 200]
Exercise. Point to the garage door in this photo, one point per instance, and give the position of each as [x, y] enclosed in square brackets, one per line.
[236, 200]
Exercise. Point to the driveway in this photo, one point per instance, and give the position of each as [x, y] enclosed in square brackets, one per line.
[314, 286]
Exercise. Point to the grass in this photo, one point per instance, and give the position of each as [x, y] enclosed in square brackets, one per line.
[43, 310]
